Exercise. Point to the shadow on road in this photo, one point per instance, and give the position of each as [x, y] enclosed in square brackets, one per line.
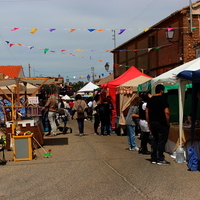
[56, 141]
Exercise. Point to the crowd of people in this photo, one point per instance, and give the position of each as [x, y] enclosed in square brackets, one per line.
[150, 113]
[94, 109]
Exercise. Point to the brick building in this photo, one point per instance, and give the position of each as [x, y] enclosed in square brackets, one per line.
[153, 53]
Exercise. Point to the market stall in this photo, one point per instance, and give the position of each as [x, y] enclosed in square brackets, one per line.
[127, 92]
[170, 78]
[111, 87]
[25, 112]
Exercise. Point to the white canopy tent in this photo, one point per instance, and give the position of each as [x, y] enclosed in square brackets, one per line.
[170, 78]
[88, 87]
[66, 97]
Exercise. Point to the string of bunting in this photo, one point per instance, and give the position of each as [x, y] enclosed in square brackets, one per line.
[64, 51]
[120, 31]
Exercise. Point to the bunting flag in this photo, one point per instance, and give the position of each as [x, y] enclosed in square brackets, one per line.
[72, 30]
[45, 51]
[91, 30]
[121, 31]
[14, 29]
[52, 29]
[101, 30]
[33, 30]
[11, 45]
[170, 29]
[30, 47]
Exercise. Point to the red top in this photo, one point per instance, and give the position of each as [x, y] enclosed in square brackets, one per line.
[71, 104]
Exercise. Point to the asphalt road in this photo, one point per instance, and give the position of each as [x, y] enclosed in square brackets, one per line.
[94, 167]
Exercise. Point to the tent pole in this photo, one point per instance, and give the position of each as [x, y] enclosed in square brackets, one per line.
[181, 97]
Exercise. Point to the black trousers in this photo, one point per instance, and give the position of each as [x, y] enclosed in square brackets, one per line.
[160, 134]
[144, 141]
[96, 122]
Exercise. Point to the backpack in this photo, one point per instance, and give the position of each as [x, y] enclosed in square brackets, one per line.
[80, 109]
[192, 159]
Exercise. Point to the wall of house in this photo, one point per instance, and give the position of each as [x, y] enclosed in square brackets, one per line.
[139, 51]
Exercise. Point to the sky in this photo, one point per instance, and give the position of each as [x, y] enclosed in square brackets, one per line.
[54, 50]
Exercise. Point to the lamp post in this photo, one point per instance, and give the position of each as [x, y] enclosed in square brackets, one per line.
[92, 70]
[67, 81]
[107, 66]
[88, 77]
[169, 33]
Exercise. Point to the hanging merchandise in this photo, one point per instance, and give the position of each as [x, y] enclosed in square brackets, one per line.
[33, 111]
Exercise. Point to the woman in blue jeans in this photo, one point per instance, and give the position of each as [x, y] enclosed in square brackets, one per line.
[131, 120]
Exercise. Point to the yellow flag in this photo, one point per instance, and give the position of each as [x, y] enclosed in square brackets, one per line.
[33, 30]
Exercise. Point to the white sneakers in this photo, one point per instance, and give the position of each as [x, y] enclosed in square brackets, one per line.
[134, 149]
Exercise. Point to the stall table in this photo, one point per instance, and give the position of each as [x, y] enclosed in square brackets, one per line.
[173, 139]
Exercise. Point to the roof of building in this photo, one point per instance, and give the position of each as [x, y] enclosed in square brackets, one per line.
[106, 79]
[11, 70]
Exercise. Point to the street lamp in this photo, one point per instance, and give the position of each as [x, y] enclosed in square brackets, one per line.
[88, 77]
[67, 81]
[107, 66]
[169, 33]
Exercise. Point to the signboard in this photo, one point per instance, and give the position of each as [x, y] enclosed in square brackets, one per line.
[33, 100]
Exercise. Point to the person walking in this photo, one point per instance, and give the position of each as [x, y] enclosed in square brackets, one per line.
[158, 118]
[51, 107]
[79, 112]
[131, 120]
[95, 103]
[104, 114]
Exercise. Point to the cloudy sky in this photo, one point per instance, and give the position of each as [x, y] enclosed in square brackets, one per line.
[73, 54]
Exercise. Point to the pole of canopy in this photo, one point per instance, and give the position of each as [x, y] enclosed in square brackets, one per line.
[181, 98]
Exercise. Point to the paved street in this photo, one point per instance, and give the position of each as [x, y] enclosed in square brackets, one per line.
[94, 167]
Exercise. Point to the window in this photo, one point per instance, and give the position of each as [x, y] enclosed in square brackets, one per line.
[152, 41]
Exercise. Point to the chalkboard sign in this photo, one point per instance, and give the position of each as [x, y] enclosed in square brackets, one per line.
[23, 148]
